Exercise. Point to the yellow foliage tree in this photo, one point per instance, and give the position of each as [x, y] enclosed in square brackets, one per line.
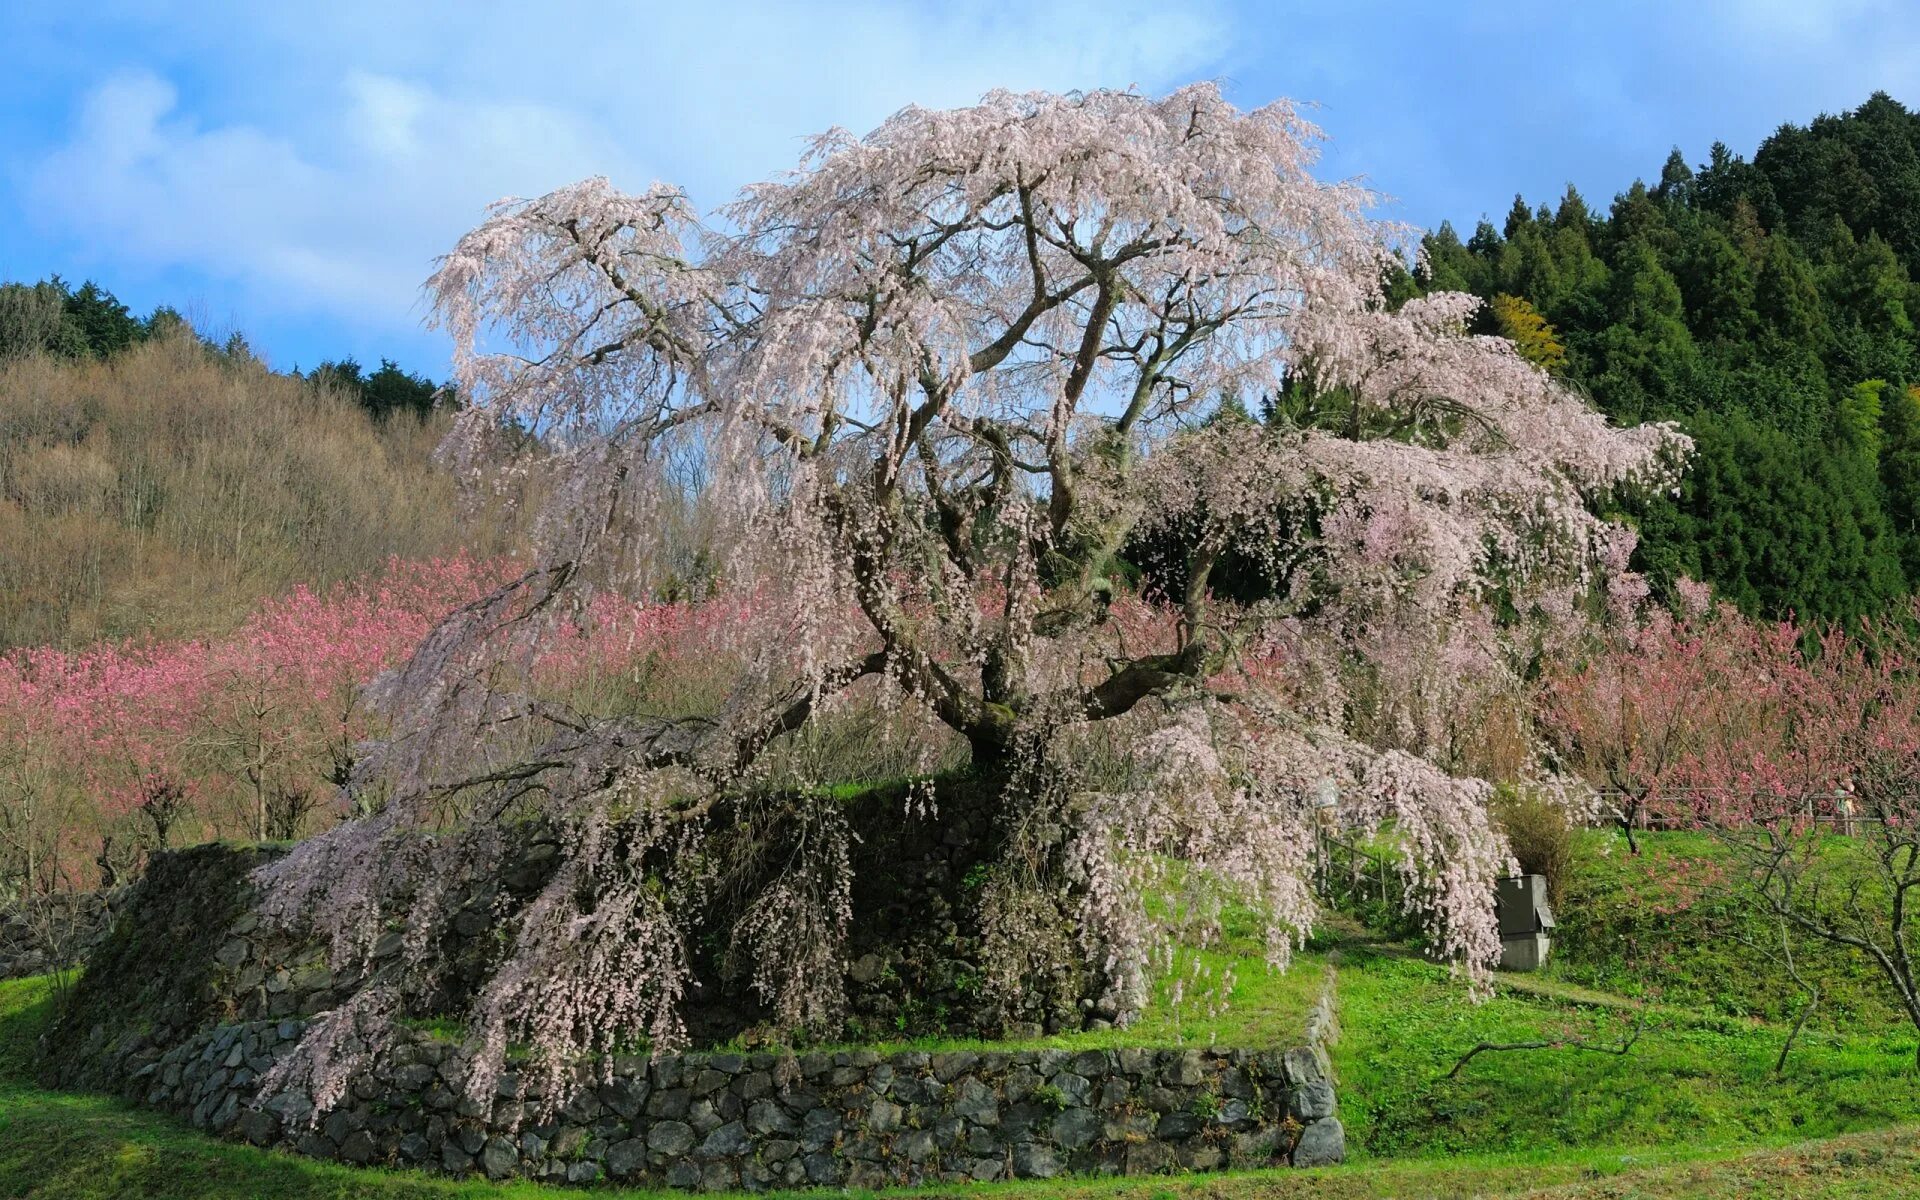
[1536, 340]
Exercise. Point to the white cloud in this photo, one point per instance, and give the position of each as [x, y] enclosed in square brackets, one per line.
[1837, 49]
[331, 192]
[344, 223]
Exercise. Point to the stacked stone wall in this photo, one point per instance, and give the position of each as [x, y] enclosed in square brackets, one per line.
[717, 1121]
[189, 1002]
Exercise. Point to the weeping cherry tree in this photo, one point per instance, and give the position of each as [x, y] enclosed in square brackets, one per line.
[925, 390]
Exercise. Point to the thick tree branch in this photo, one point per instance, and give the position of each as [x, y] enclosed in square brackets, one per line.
[1620, 1049]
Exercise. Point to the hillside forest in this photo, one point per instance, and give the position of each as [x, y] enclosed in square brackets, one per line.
[1766, 304]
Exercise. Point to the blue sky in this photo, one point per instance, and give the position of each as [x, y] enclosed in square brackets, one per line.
[291, 174]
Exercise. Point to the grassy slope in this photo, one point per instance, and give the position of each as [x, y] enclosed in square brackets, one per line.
[165, 491]
[1701, 1072]
[1693, 1110]
[56, 1146]
[1688, 1080]
[1658, 924]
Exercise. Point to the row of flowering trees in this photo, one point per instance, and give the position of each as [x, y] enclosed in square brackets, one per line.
[115, 748]
[112, 750]
[1708, 718]
[1797, 748]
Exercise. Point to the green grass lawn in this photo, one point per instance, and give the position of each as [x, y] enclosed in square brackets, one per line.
[1688, 1079]
[1661, 923]
[59, 1146]
[1692, 1110]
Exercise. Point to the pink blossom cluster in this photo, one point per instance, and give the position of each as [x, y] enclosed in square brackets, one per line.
[1710, 719]
[235, 723]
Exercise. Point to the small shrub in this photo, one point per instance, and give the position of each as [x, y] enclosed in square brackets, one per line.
[1541, 836]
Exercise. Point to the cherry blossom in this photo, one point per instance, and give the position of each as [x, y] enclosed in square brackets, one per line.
[921, 392]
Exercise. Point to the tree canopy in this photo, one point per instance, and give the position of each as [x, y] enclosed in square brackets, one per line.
[385, 391]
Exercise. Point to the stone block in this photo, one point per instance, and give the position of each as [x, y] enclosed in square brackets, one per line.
[499, 1158]
[1076, 1127]
[1321, 1144]
[671, 1138]
[626, 1158]
[1033, 1160]
[727, 1140]
[1188, 1069]
[359, 1148]
[1311, 1101]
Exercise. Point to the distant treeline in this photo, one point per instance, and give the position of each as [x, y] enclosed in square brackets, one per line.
[162, 489]
[1767, 305]
[50, 317]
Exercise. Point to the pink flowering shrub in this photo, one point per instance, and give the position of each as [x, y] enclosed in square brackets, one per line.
[88, 735]
[1629, 717]
[120, 745]
[1711, 719]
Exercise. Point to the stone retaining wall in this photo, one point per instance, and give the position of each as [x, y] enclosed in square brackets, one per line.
[188, 1003]
[51, 933]
[722, 1121]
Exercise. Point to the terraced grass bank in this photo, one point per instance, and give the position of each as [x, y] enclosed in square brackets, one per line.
[1695, 1109]
[66, 1146]
[195, 1031]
